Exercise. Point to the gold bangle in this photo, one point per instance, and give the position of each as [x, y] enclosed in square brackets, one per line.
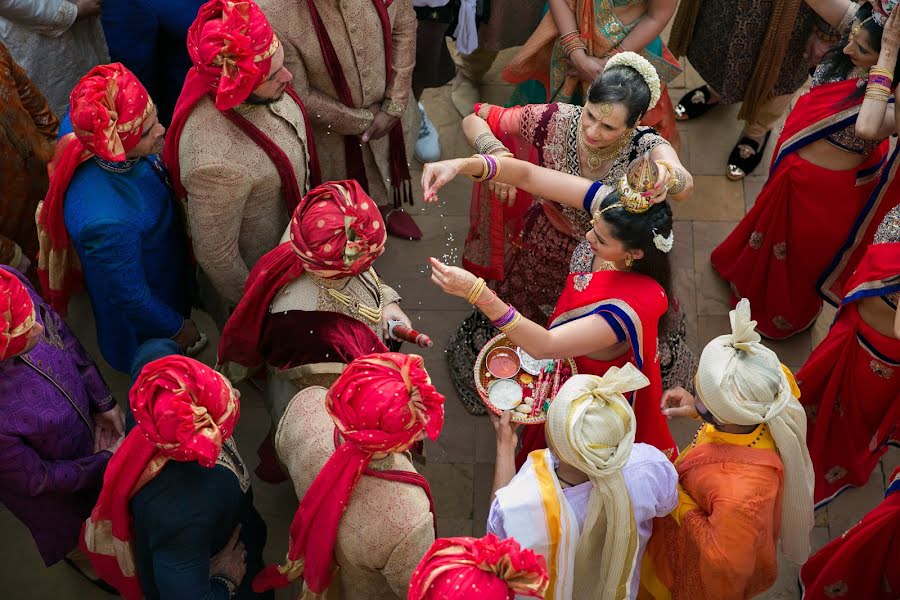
[879, 70]
[505, 154]
[485, 169]
[516, 321]
[674, 179]
[476, 290]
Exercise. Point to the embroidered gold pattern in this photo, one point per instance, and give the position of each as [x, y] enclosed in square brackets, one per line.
[881, 369]
[780, 250]
[756, 239]
[835, 473]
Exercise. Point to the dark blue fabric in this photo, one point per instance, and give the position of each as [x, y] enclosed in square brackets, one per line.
[589, 196]
[149, 37]
[132, 247]
[185, 516]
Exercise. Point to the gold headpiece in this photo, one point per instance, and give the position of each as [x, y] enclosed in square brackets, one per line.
[640, 176]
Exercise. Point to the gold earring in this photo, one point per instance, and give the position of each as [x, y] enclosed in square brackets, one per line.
[629, 260]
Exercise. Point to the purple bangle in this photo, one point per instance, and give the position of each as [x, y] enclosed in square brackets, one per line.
[878, 79]
[506, 319]
[492, 167]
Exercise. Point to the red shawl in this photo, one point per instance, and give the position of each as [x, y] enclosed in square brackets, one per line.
[231, 45]
[380, 403]
[16, 315]
[336, 231]
[184, 411]
[352, 151]
[108, 107]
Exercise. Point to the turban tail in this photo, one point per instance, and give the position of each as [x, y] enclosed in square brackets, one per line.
[380, 403]
[16, 315]
[336, 231]
[184, 411]
[591, 426]
[741, 381]
[488, 568]
[108, 108]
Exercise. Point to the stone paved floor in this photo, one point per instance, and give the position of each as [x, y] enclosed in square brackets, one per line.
[460, 463]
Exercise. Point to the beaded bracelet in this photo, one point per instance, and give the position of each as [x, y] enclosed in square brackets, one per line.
[485, 140]
[506, 318]
[227, 582]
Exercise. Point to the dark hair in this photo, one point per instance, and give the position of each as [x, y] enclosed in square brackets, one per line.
[635, 231]
[836, 64]
[622, 85]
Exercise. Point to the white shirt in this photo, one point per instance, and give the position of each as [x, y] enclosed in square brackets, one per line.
[652, 484]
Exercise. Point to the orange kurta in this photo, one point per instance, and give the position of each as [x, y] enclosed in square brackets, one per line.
[720, 543]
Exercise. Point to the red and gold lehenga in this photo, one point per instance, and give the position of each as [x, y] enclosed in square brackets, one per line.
[528, 247]
[810, 225]
[632, 304]
[865, 561]
[850, 385]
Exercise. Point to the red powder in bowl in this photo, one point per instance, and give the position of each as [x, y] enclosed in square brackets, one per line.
[503, 363]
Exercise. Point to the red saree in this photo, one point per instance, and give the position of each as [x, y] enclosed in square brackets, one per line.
[865, 561]
[632, 304]
[850, 385]
[769, 257]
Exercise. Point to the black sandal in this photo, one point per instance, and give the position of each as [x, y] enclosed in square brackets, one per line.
[694, 104]
[745, 157]
[97, 582]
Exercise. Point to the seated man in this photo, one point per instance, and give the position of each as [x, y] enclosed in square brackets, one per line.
[175, 519]
[366, 517]
[238, 148]
[314, 303]
[587, 502]
[865, 561]
[488, 569]
[60, 423]
[744, 481]
[110, 202]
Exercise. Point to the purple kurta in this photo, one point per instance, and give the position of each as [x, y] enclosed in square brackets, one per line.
[49, 474]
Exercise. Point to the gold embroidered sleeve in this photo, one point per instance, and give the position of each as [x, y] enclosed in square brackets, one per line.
[322, 108]
[389, 295]
[399, 88]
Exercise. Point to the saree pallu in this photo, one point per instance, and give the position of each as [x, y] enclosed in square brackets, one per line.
[632, 304]
[865, 561]
[850, 385]
[541, 60]
[804, 217]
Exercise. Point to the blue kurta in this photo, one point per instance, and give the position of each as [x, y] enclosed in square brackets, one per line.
[150, 38]
[125, 229]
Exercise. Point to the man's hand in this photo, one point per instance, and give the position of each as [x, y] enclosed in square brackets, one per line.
[88, 8]
[505, 430]
[392, 312]
[188, 335]
[109, 429]
[231, 561]
[381, 125]
[678, 402]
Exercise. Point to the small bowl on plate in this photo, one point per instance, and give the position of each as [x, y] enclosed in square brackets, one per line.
[503, 362]
[505, 394]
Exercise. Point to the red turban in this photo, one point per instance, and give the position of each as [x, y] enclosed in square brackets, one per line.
[16, 315]
[488, 568]
[108, 108]
[380, 403]
[336, 231]
[184, 411]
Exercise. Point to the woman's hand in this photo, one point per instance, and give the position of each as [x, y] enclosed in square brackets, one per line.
[678, 402]
[503, 191]
[890, 39]
[453, 280]
[392, 312]
[586, 68]
[438, 174]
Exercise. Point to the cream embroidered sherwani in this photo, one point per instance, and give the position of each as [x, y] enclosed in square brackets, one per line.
[386, 528]
[356, 33]
[236, 205]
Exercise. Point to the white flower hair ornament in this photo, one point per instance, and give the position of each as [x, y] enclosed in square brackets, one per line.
[642, 66]
[664, 244]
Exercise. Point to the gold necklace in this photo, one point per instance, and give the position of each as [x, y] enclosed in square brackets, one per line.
[598, 155]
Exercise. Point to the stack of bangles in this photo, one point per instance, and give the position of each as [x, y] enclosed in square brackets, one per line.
[491, 167]
[570, 42]
[487, 143]
[880, 83]
[509, 321]
[617, 49]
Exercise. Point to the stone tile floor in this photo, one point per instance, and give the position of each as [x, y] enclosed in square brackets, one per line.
[460, 463]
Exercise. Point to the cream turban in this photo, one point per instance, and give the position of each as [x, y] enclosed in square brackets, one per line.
[742, 382]
[591, 426]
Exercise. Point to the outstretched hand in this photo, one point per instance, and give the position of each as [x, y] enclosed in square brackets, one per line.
[678, 402]
[453, 280]
[436, 175]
